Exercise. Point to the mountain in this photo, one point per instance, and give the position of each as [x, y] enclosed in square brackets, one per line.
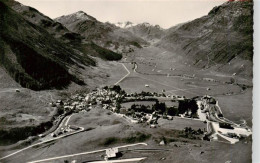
[60, 32]
[34, 57]
[223, 38]
[147, 31]
[126, 24]
[106, 35]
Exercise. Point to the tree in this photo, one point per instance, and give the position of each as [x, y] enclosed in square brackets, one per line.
[232, 80]
[186, 105]
[172, 111]
[133, 107]
[161, 107]
[118, 106]
[193, 106]
[116, 88]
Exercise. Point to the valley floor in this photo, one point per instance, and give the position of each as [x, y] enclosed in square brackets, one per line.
[149, 69]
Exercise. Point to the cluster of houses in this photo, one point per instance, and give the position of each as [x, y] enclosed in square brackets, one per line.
[141, 117]
[111, 99]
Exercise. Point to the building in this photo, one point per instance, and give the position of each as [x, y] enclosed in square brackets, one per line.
[111, 153]
[74, 127]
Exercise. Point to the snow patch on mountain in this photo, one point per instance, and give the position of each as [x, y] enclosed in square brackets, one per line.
[125, 24]
[81, 15]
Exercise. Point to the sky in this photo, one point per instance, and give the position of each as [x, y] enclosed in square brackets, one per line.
[165, 13]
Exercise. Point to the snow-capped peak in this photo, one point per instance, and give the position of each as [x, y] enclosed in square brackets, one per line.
[82, 15]
[148, 25]
[126, 24]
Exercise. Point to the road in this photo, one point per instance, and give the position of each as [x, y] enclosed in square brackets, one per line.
[66, 123]
[221, 133]
[81, 129]
[46, 141]
[85, 153]
[11, 90]
[128, 73]
[124, 160]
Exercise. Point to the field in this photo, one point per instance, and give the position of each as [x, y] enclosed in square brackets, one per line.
[237, 107]
[185, 80]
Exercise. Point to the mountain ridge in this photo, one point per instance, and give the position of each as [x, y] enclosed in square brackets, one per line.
[106, 35]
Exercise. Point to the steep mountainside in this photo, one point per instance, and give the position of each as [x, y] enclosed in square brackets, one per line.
[223, 38]
[60, 32]
[147, 31]
[104, 34]
[32, 56]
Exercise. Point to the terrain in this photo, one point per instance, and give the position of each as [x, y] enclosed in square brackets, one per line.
[162, 64]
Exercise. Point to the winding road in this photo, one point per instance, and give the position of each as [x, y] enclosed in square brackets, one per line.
[128, 73]
[46, 141]
[85, 153]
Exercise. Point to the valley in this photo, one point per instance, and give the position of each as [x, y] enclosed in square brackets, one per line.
[80, 90]
[135, 74]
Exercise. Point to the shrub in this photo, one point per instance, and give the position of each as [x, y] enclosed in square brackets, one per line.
[110, 140]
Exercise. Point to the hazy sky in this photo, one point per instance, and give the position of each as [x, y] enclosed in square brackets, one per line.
[166, 13]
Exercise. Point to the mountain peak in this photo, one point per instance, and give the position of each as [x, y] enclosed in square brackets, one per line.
[75, 17]
[82, 15]
[147, 25]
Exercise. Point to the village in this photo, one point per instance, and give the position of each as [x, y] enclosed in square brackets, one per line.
[148, 108]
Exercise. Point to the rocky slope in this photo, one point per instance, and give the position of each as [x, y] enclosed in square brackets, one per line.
[223, 38]
[106, 35]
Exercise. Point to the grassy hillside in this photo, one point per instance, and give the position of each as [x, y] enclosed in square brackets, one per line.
[224, 36]
[104, 53]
